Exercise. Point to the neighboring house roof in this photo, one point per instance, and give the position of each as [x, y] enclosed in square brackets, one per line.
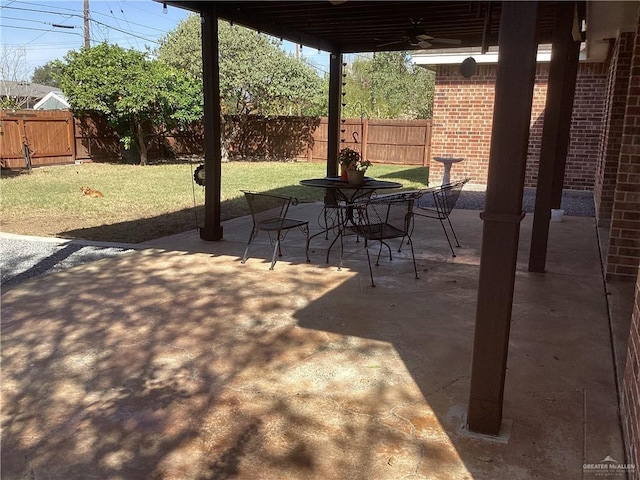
[52, 101]
[24, 93]
[25, 89]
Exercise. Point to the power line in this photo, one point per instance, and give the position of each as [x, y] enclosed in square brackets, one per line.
[76, 14]
[91, 19]
[39, 21]
[22, 9]
[116, 20]
[33, 4]
[39, 30]
[313, 65]
[125, 32]
[136, 35]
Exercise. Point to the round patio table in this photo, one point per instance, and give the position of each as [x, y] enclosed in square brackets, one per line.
[349, 194]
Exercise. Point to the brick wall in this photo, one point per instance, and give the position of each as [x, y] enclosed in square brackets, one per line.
[616, 95]
[624, 252]
[463, 113]
[624, 244]
[461, 125]
[630, 398]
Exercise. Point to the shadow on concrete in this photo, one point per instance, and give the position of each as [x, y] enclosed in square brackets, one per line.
[185, 364]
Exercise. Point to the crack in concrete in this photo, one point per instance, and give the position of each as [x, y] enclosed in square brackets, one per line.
[444, 387]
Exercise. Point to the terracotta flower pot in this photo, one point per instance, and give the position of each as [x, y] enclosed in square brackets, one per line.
[356, 177]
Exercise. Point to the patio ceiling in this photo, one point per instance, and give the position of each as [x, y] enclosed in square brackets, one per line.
[346, 26]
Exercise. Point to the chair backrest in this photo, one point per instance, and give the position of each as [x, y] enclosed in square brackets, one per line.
[394, 210]
[268, 209]
[447, 196]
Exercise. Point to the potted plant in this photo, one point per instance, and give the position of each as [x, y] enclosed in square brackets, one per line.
[353, 166]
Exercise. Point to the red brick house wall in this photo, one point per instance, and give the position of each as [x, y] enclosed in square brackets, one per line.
[463, 114]
[461, 124]
[624, 241]
[607, 163]
[624, 252]
[630, 398]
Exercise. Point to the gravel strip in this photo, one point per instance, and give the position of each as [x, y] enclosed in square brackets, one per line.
[574, 203]
[24, 257]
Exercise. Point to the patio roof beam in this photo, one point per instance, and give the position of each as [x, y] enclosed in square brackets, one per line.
[555, 133]
[502, 214]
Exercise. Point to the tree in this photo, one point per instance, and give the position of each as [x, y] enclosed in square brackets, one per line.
[14, 87]
[130, 90]
[256, 75]
[388, 85]
[47, 74]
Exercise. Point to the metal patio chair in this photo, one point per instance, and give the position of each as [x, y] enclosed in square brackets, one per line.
[269, 214]
[438, 203]
[386, 218]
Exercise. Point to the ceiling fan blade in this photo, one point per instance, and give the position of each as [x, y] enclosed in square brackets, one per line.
[423, 37]
[448, 41]
[424, 44]
[386, 44]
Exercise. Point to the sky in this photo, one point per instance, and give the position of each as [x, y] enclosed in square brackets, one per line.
[34, 32]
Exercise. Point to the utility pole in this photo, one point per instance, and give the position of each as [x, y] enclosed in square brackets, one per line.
[87, 38]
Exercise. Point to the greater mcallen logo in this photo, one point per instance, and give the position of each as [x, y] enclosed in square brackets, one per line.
[608, 466]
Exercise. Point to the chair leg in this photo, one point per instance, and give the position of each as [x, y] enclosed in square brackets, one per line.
[252, 236]
[275, 249]
[370, 269]
[453, 253]
[279, 242]
[415, 266]
[453, 231]
[305, 230]
[341, 249]
[326, 224]
[412, 225]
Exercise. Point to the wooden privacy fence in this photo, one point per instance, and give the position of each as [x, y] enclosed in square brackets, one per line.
[405, 142]
[49, 136]
[56, 137]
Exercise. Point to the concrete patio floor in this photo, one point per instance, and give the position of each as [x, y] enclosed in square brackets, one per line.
[178, 362]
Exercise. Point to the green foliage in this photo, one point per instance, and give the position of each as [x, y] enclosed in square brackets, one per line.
[7, 103]
[47, 74]
[181, 47]
[256, 75]
[129, 90]
[351, 159]
[388, 85]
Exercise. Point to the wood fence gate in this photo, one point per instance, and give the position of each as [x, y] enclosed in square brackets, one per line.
[48, 135]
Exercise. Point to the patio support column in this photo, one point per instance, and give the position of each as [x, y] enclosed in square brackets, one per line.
[569, 90]
[502, 214]
[555, 132]
[333, 136]
[212, 229]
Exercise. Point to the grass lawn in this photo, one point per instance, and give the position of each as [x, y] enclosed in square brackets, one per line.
[142, 203]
